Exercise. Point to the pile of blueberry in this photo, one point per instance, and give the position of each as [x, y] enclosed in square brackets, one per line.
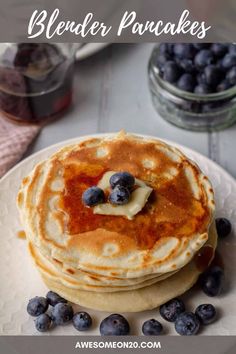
[121, 184]
[60, 313]
[201, 68]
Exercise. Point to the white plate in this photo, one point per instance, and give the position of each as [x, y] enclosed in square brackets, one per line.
[89, 49]
[20, 280]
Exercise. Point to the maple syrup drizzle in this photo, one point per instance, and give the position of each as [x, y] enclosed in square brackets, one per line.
[21, 234]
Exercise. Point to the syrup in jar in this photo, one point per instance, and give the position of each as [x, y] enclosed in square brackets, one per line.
[35, 80]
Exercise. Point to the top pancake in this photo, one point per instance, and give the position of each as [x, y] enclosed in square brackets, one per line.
[163, 237]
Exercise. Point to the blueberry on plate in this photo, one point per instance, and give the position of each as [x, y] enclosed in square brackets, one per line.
[54, 298]
[171, 309]
[114, 325]
[171, 71]
[93, 196]
[229, 61]
[152, 327]
[213, 75]
[37, 306]
[206, 313]
[124, 179]
[202, 89]
[231, 76]
[187, 324]
[219, 49]
[211, 281]
[43, 322]
[119, 196]
[223, 227]
[82, 321]
[203, 58]
[186, 82]
[62, 313]
[184, 50]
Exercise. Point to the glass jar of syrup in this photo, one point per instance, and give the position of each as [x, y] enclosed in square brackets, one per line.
[35, 80]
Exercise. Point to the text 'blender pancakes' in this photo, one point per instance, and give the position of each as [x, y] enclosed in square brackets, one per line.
[118, 252]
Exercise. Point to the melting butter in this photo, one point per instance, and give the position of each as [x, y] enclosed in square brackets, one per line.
[137, 201]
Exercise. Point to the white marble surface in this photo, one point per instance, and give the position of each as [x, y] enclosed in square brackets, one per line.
[111, 93]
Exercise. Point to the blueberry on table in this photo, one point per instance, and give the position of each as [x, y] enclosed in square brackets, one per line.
[187, 324]
[229, 61]
[211, 281]
[223, 227]
[231, 76]
[82, 321]
[54, 298]
[203, 58]
[62, 313]
[171, 309]
[213, 75]
[186, 82]
[119, 196]
[43, 322]
[37, 306]
[223, 85]
[152, 328]
[219, 49]
[124, 179]
[202, 89]
[171, 71]
[206, 313]
[114, 325]
[184, 50]
[93, 196]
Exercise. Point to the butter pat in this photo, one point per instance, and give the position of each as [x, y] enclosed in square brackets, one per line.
[137, 201]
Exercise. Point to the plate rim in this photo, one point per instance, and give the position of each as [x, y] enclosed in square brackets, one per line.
[71, 141]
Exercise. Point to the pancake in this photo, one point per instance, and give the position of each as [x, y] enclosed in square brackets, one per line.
[162, 238]
[146, 298]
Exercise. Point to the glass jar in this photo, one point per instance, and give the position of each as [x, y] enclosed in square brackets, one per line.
[35, 80]
[191, 111]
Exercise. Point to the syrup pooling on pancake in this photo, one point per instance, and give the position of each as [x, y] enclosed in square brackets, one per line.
[161, 238]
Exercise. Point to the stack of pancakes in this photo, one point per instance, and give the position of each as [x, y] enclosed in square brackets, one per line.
[109, 262]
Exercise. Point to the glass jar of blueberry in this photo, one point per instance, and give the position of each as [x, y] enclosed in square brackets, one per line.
[193, 86]
[35, 80]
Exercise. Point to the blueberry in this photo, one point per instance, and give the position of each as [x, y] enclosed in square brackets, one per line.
[231, 76]
[171, 71]
[200, 78]
[202, 89]
[37, 306]
[166, 48]
[119, 196]
[184, 50]
[203, 58]
[206, 313]
[124, 179]
[114, 325]
[93, 196]
[187, 324]
[186, 82]
[213, 75]
[228, 61]
[152, 327]
[62, 313]
[219, 49]
[187, 65]
[161, 60]
[82, 321]
[223, 85]
[223, 227]
[232, 48]
[54, 298]
[171, 309]
[200, 46]
[43, 323]
[212, 280]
